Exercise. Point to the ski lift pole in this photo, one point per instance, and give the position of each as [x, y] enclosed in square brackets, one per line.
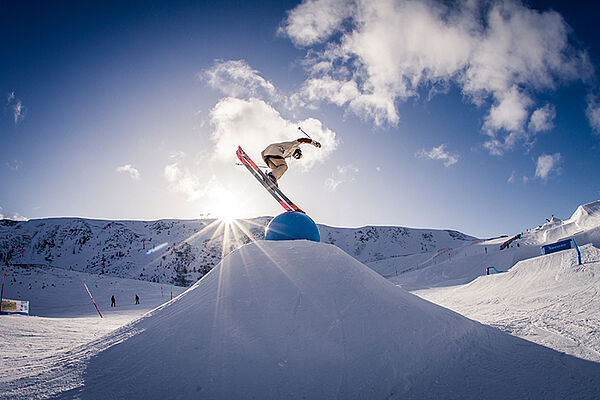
[88, 290]
[302, 130]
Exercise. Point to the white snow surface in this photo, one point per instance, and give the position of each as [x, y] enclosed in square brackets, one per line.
[550, 300]
[305, 320]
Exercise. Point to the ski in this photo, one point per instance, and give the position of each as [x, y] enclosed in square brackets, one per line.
[277, 194]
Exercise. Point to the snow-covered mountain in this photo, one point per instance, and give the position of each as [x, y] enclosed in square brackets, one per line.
[182, 251]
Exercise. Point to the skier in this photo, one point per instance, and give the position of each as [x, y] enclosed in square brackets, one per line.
[113, 302]
[275, 154]
[137, 299]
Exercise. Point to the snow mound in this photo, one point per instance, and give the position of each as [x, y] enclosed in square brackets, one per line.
[585, 220]
[298, 319]
[587, 215]
[550, 300]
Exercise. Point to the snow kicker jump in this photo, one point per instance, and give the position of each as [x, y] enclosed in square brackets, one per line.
[274, 191]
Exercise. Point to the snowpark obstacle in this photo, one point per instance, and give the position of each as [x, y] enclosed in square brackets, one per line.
[292, 225]
[488, 269]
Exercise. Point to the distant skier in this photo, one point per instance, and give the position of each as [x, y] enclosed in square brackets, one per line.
[113, 302]
[137, 299]
[275, 154]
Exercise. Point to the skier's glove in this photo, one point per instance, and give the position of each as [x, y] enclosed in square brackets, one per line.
[317, 144]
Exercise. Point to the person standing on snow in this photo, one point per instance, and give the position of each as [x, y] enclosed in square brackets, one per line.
[113, 302]
[275, 154]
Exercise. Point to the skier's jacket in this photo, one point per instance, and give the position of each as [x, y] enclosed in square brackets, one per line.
[284, 149]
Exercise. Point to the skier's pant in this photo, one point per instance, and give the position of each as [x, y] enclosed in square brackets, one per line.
[277, 164]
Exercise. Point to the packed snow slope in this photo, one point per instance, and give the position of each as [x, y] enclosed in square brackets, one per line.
[549, 299]
[56, 292]
[298, 319]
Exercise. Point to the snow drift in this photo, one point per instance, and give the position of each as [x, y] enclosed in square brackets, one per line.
[305, 320]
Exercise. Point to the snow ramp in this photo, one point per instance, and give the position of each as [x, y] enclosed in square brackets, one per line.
[304, 320]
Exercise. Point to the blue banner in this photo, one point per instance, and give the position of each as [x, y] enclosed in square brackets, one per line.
[558, 246]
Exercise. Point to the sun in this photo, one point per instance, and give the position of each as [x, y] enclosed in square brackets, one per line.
[225, 206]
[225, 215]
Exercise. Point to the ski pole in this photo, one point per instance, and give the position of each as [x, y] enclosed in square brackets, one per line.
[302, 130]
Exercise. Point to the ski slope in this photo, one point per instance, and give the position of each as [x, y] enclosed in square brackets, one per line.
[306, 320]
[62, 316]
[550, 300]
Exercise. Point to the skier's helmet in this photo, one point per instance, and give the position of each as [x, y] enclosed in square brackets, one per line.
[297, 154]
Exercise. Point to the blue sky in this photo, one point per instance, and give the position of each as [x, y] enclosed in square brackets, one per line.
[480, 116]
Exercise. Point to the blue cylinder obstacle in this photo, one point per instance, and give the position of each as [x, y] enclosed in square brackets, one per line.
[292, 225]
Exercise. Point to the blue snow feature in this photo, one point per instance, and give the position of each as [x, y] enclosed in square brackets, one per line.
[292, 225]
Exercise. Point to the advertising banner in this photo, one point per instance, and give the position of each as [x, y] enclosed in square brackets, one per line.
[15, 306]
[558, 246]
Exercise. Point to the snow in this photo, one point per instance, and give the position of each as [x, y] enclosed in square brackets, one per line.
[550, 300]
[273, 322]
[297, 319]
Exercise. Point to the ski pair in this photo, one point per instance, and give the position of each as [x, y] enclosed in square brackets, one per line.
[277, 194]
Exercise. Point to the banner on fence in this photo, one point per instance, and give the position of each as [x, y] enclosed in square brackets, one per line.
[15, 306]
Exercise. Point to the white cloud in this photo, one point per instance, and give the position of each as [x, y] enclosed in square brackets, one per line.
[439, 153]
[343, 174]
[315, 20]
[182, 180]
[593, 114]
[368, 55]
[542, 119]
[511, 178]
[19, 217]
[15, 217]
[510, 113]
[15, 165]
[254, 124]
[331, 184]
[548, 164]
[16, 105]
[237, 79]
[128, 168]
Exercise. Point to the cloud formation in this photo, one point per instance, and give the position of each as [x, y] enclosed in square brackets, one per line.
[236, 78]
[593, 114]
[15, 165]
[16, 106]
[254, 124]
[128, 168]
[15, 217]
[548, 164]
[542, 119]
[439, 153]
[344, 173]
[182, 180]
[366, 56]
